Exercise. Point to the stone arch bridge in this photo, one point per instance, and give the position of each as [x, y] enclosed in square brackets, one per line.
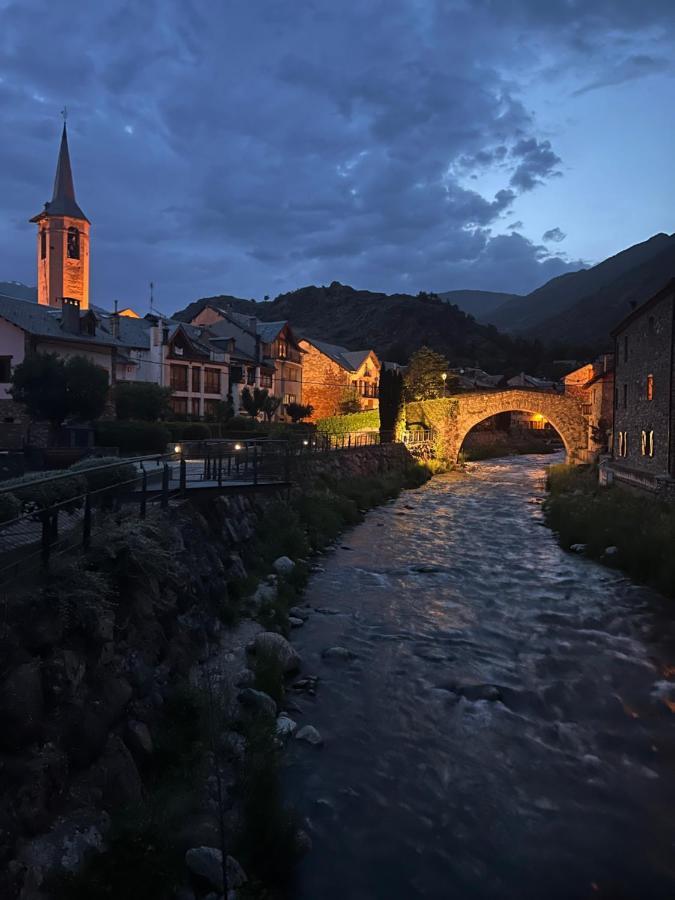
[453, 418]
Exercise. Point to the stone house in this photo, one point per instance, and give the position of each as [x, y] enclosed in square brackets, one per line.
[593, 385]
[333, 375]
[643, 445]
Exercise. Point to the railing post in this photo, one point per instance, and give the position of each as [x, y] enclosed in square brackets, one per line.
[86, 522]
[220, 467]
[255, 464]
[183, 475]
[165, 486]
[45, 538]
[349, 441]
[144, 493]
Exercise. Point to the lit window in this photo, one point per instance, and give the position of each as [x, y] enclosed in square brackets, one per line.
[43, 244]
[623, 443]
[73, 243]
[650, 387]
[643, 443]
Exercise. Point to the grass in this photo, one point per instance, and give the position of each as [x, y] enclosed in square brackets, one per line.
[641, 528]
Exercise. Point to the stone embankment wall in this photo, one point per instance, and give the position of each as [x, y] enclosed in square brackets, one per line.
[87, 659]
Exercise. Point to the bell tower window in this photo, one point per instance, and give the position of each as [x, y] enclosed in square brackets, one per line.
[43, 244]
[73, 243]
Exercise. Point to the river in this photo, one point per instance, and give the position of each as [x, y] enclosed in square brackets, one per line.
[504, 728]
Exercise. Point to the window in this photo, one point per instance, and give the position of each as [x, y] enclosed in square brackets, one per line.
[625, 349]
[43, 244]
[5, 369]
[647, 442]
[250, 376]
[623, 443]
[179, 378]
[289, 398]
[179, 405]
[196, 380]
[650, 387]
[236, 374]
[194, 407]
[266, 381]
[211, 381]
[73, 243]
[625, 396]
[211, 408]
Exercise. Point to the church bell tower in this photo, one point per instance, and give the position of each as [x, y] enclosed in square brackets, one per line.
[62, 241]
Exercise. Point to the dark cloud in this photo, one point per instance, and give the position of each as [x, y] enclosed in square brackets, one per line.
[252, 147]
[554, 234]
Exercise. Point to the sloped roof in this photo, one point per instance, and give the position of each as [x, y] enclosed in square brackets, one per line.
[269, 331]
[45, 321]
[352, 360]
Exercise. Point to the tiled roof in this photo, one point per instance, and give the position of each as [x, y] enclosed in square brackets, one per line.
[351, 360]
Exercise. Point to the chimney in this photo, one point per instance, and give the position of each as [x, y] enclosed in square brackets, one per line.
[70, 315]
[115, 322]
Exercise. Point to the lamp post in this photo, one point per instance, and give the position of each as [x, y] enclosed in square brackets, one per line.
[444, 376]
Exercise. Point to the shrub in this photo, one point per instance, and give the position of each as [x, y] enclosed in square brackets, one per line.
[369, 420]
[10, 507]
[196, 431]
[141, 400]
[44, 489]
[133, 437]
[116, 472]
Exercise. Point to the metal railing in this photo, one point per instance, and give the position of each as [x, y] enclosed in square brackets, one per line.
[419, 436]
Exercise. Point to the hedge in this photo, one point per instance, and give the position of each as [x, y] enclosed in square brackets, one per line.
[369, 420]
[116, 474]
[188, 431]
[133, 436]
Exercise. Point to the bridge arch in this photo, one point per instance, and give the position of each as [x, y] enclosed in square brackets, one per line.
[563, 412]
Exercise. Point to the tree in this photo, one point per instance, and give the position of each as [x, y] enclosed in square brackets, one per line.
[299, 411]
[254, 401]
[424, 378]
[53, 389]
[271, 405]
[392, 406]
[141, 400]
[349, 402]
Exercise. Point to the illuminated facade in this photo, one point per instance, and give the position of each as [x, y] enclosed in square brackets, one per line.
[62, 241]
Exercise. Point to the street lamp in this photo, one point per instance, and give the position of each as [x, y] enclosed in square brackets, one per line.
[444, 376]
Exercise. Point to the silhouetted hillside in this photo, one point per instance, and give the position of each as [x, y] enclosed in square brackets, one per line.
[479, 304]
[394, 326]
[18, 290]
[543, 312]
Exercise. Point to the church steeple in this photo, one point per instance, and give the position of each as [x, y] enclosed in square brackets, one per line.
[63, 240]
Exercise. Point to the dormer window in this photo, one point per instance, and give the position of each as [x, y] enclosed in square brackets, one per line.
[73, 243]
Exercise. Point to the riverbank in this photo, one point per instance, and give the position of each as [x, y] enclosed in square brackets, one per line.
[136, 728]
[624, 530]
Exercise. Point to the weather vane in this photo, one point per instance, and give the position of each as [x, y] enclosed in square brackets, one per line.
[64, 114]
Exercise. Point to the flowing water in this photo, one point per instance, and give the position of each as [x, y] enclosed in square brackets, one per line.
[506, 728]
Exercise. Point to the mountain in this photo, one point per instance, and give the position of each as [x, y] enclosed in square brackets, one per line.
[18, 290]
[591, 318]
[479, 304]
[394, 325]
[541, 312]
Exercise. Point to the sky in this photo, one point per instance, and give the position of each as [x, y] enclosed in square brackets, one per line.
[251, 147]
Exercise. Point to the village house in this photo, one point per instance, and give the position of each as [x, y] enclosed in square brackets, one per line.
[643, 445]
[335, 377]
[593, 385]
[270, 356]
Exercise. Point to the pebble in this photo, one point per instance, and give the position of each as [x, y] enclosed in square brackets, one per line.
[310, 735]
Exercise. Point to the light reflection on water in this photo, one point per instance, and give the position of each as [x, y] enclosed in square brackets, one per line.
[559, 783]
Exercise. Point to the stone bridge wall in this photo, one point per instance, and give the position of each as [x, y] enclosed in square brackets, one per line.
[454, 417]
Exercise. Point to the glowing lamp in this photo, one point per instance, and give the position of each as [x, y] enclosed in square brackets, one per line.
[176, 449]
[237, 446]
[306, 443]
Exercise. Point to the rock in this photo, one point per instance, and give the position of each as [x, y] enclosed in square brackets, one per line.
[244, 678]
[340, 653]
[263, 596]
[286, 727]
[21, 706]
[276, 645]
[303, 842]
[207, 863]
[475, 692]
[295, 622]
[235, 567]
[283, 565]
[139, 740]
[610, 551]
[299, 612]
[306, 685]
[310, 735]
[258, 701]
[121, 782]
[578, 548]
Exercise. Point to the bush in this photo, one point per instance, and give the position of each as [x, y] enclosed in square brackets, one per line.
[188, 431]
[133, 437]
[141, 400]
[117, 473]
[10, 507]
[369, 420]
[33, 489]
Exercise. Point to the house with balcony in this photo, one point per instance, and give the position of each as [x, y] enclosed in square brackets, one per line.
[263, 354]
[336, 378]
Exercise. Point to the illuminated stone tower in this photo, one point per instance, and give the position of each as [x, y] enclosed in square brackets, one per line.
[63, 241]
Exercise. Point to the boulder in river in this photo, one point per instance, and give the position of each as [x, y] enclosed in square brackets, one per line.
[283, 565]
[578, 548]
[310, 735]
[258, 702]
[276, 645]
[286, 727]
[340, 653]
[295, 622]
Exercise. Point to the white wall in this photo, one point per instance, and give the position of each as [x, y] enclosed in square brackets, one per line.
[11, 344]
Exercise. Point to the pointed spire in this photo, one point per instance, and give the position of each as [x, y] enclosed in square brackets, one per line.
[64, 189]
[63, 201]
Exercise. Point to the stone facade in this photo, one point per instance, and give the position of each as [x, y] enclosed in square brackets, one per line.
[453, 418]
[643, 453]
[593, 386]
[333, 375]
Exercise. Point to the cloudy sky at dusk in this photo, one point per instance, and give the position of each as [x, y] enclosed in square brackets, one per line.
[254, 146]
